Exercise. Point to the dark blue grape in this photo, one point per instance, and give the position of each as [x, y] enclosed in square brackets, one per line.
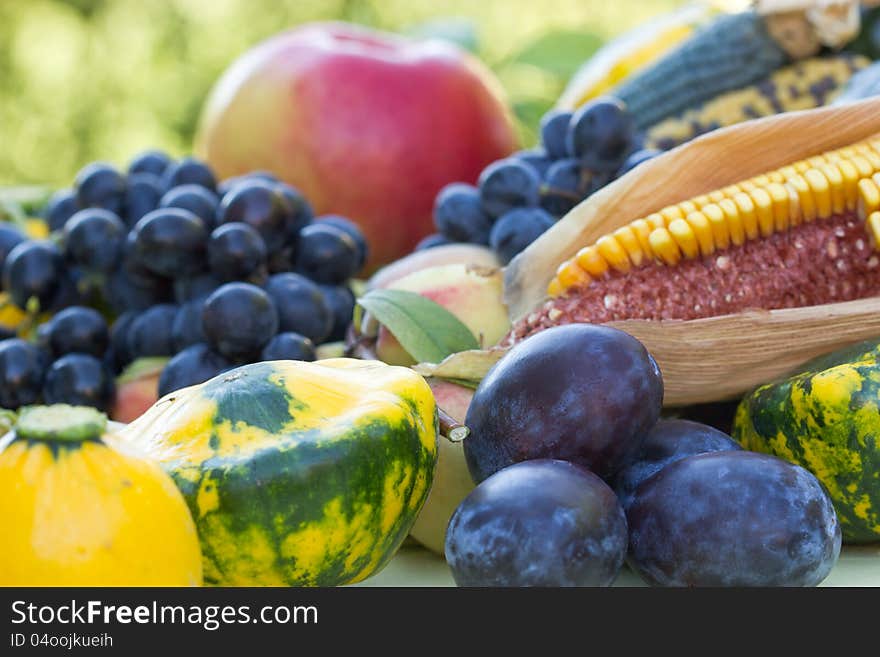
[150, 333]
[579, 392]
[265, 208]
[100, 185]
[353, 230]
[536, 158]
[239, 319]
[79, 380]
[515, 230]
[538, 523]
[601, 135]
[192, 366]
[300, 214]
[78, 330]
[61, 206]
[94, 239]
[235, 252]
[508, 184]
[187, 329]
[74, 289]
[225, 186]
[301, 306]
[459, 214]
[554, 131]
[170, 242]
[636, 158]
[326, 254]
[118, 354]
[200, 201]
[6, 332]
[142, 194]
[10, 237]
[564, 186]
[153, 162]
[33, 269]
[194, 287]
[125, 291]
[431, 241]
[667, 442]
[340, 299]
[732, 518]
[289, 346]
[22, 368]
[188, 171]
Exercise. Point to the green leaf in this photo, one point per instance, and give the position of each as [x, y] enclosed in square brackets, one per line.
[427, 331]
[460, 31]
[560, 52]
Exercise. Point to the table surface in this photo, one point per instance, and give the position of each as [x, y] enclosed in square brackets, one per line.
[416, 566]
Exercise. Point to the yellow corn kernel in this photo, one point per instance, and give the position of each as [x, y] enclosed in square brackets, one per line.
[701, 201]
[730, 190]
[795, 218]
[816, 161]
[805, 197]
[699, 222]
[787, 172]
[869, 198]
[845, 153]
[802, 166]
[821, 193]
[761, 181]
[664, 247]
[775, 177]
[873, 159]
[735, 224]
[874, 228]
[687, 207]
[747, 186]
[780, 203]
[718, 222]
[555, 289]
[613, 252]
[656, 220]
[763, 210]
[628, 239]
[835, 186]
[671, 212]
[571, 275]
[685, 237]
[850, 183]
[591, 261]
[862, 166]
[642, 230]
[716, 196]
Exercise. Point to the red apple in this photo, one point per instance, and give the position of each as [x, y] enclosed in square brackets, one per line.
[366, 124]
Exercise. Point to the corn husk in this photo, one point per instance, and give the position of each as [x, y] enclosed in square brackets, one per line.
[721, 357]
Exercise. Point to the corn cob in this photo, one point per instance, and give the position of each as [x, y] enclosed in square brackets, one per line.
[863, 84]
[802, 85]
[802, 235]
[732, 51]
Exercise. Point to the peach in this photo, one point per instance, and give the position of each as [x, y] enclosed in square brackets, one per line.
[137, 388]
[366, 124]
[449, 254]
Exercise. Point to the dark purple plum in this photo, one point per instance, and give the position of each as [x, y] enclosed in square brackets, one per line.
[579, 392]
[538, 523]
[667, 442]
[732, 518]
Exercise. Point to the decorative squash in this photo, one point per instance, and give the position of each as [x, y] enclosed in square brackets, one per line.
[80, 508]
[826, 419]
[298, 473]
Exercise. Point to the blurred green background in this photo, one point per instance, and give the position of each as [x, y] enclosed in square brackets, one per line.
[82, 80]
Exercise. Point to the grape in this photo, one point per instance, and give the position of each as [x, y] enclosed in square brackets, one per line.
[340, 300]
[170, 242]
[508, 184]
[33, 269]
[289, 346]
[194, 287]
[515, 230]
[61, 206]
[239, 319]
[152, 162]
[578, 392]
[78, 330]
[10, 237]
[554, 131]
[301, 306]
[142, 194]
[94, 238]
[300, 214]
[187, 329]
[601, 134]
[350, 228]
[200, 201]
[564, 186]
[459, 214]
[431, 241]
[22, 367]
[126, 291]
[150, 333]
[79, 380]
[118, 354]
[732, 518]
[636, 158]
[538, 523]
[235, 251]
[225, 186]
[192, 366]
[99, 185]
[326, 254]
[536, 158]
[667, 442]
[188, 171]
[261, 205]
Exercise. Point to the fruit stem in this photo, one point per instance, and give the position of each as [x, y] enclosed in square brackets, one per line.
[450, 428]
[60, 422]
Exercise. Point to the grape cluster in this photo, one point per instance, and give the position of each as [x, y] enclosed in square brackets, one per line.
[516, 199]
[165, 261]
